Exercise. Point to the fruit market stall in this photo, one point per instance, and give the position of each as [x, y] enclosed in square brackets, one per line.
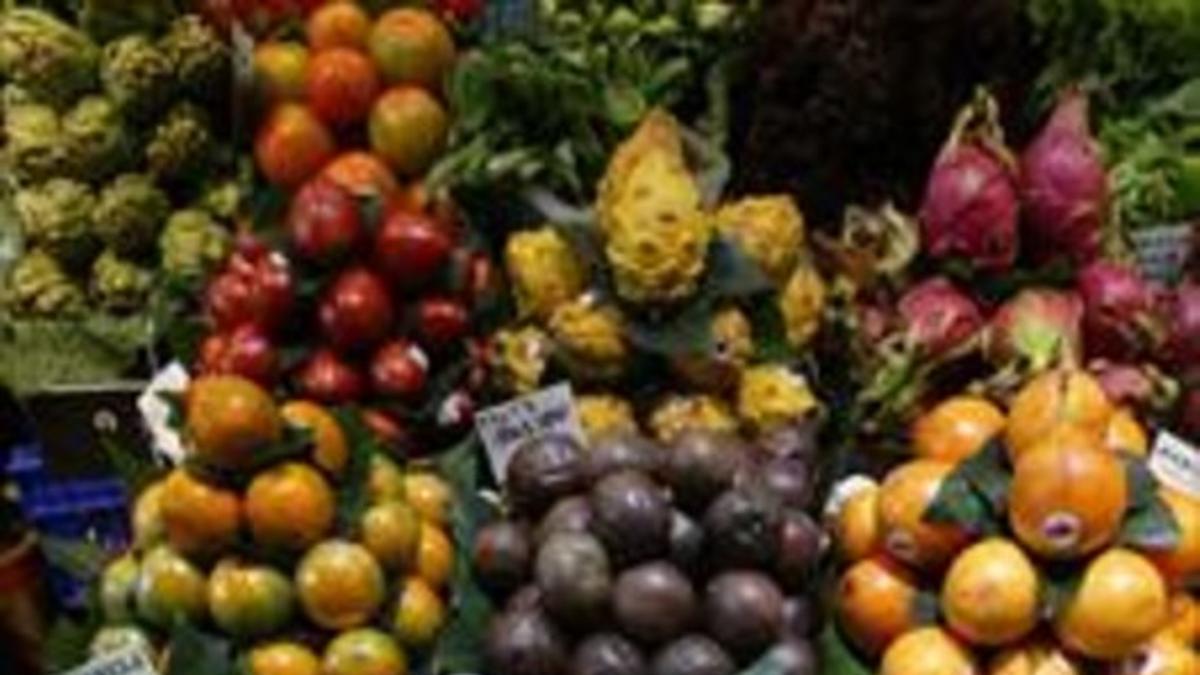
[599, 337]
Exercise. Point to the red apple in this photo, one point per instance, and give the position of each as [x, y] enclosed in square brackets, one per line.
[245, 351]
[255, 287]
[441, 322]
[323, 222]
[325, 377]
[356, 311]
[410, 249]
[399, 369]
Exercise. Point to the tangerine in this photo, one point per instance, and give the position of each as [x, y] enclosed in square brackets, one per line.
[411, 46]
[147, 520]
[1119, 604]
[1162, 655]
[391, 531]
[169, 587]
[364, 651]
[990, 593]
[289, 507]
[199, 519]
[956, 428]
[385, 483]
[342, 85]
[904, 497]
[1068, 495]
[1035, 658]
[1125, 434]
[1050, 400]
[363, 175]
[420, 614]
[1180, 566]
[407, 129]
[338, 24]
[340, 585]
[435, 555]
[927, 651]
[292, 145]
[249, 600]
[429, 495]
[330, 450]
[876, 603]
[281, 71]
[282, 658]
[856, 529]
[1184, 622]
[229, 418]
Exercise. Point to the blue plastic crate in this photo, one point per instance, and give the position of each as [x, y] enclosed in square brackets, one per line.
[93, 509]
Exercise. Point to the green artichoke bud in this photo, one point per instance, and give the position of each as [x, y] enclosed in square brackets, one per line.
[138, 76]
[180, 145]
[95, 138]
[201, 58]
[193, 243]
[38, 286]
[53, 61]
[129, 213]
[35, 150]
[119, 285]
[56, 216]
[222, 199]
[107, 20]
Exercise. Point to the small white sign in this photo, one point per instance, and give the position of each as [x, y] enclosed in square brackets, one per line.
[172, 379]
[1176, 463]
[508, 425]
[1163, 251]
[128, 661]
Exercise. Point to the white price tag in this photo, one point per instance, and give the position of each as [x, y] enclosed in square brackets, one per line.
[1162, 251]
[1176, 463]
[128, 661]
[172, 379]
[504, 427]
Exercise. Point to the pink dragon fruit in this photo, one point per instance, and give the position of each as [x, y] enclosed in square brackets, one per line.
[1037, 329]
[938, 317]
[1141, 387]
[970, 206]
[1183, 336]
[1064, 185]
[1121, 318]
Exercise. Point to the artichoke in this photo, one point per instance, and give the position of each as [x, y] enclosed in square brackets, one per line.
[138, 76]
[544, 271]
[51, 60]
[129, 213]
[95, 139]
[118, 285]
[107, 20]
[192, 243]
[200, 57]
[38, 286]
[56, 216]
[35, 151]
[223, 199]
[180, 145]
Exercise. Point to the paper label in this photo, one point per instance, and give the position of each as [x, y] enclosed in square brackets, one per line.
[506, 426]
[128, 661]
[1176, 463]
[1163, 251]
[173, 379]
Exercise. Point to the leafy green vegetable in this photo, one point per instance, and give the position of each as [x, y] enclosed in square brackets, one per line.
[35, 353]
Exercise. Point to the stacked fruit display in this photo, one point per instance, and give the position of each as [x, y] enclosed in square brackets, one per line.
[283, 536]
[111, 141]
[631, 557]
[1035, 541]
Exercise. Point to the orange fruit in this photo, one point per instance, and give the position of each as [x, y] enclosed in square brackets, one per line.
[956, 428]
[169, 587]
[990, 593]
[292, 145]
[1119, 604]
[199, 519]
[281, 71]
[876, 603]
[856, 529]
[1035, 658]
[904, 497]
[342, 85]
[927, 651]
[362, 174]
[1162, 655]
[340, 585]
[330, 450]
[148, 528]
[408, 129]
[364, 651]
[1181, 565]
[249, 600]
[1068, 495]
[385, 483]
[1184, 622]
[391, 531]
[419, 614]
[229, 418]
[435, 555]
[338, 24]
[1052, 399]
[289, 507]
[1125, 434]
[411, 46]
[429, 495]
[282, 658]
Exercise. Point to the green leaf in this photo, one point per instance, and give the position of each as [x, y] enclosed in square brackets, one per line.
[1059, 583]
[732, 273]
[354, 490]
[66, 644]
[194, 652]
[836, 656]
[1150, 526]
[685, 331]
[81, 559]
[135, 466]
[988, 473]
[37, 353]
[770, 332]
[1142, 487]
[926, 608]
[957, 503]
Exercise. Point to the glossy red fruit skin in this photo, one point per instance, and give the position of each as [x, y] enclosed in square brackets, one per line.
[442, 322]
[255, 287]
[326, 378]
[399, 370]
[410, 249]
[245, 351]
[324, 223]
[389, 433]
[356, 312]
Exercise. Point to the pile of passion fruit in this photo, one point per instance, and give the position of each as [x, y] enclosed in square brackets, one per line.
[630, 558]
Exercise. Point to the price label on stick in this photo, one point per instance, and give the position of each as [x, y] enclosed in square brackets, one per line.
[128, 661]
[503, 428]
[1176, 463]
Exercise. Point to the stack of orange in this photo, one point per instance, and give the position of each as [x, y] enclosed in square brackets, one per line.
[929, 597]
[250, 547]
